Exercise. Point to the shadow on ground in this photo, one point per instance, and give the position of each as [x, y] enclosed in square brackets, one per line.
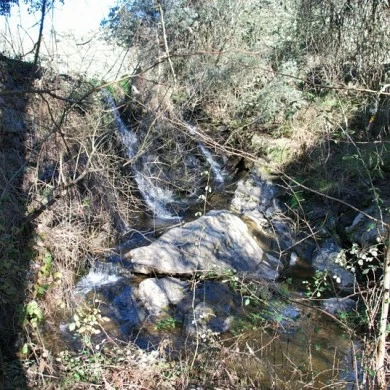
[15, 234]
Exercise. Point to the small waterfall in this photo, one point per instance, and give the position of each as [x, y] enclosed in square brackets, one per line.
[155, 197]
[128, 138]
[99, 275]
[216, 168]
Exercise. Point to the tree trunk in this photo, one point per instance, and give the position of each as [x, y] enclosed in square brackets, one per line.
[381, 348]
[38, 47]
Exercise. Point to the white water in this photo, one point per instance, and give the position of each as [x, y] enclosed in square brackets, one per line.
[215, 167]
[155, 197]
[128, 138]
[99, 275]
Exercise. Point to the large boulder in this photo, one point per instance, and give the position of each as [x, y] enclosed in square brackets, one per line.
[217, 242]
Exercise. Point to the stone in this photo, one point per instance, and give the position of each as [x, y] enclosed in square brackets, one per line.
[253, 193]
[215, 243]
[157, 294]
[335, 306]
[366, 231]
[324, 260]
[197, 321]
[127, 310]
[213, 306]
[256, 200]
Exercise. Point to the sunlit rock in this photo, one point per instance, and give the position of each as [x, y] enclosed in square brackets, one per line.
[215, 243]
[158, 294]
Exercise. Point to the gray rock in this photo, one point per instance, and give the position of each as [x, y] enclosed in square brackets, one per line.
[218, 302]
[127, 310]
[324, 260]
[253, 193]
[158, 294]
[216, 242]
[197, 321]
[365, 231]
[256, 199]
[335, 306]
[290, 312]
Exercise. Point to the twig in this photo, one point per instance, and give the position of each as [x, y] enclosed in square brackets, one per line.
[36, 213]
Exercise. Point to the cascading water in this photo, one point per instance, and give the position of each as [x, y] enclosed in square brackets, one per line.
[214, 165]
[155, 197]
[99, 275]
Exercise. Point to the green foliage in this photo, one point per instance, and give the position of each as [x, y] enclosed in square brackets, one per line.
[319, 286]
[87, 322]
[361, 260]
[33, 314]
[252, 292]
[46, 277]
[249, 322]
[87, 367]
[167, 324]
[334, 29]
[34, 5]
[296, 199]
[354, 319]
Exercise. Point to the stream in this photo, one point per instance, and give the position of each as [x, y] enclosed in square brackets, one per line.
[177, 276]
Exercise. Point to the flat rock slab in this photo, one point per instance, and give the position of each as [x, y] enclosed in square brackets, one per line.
[217, 242]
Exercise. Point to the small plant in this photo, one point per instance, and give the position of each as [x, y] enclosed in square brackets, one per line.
[203, 197]
[33, 314]
[203, 333]
[319, 286]
[87, 322]
[251, 292]
[248, 322]
[296, 199]
[208, 336]
[167, 324]
[87, 366]
[46, 276]
[365, 259]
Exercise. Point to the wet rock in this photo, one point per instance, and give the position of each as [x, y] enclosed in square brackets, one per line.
[335, 306]
[127, 310]
[286, 315]
[205, 322]
[216, 242]
[158, 294]
[212, 306]
[365, 231]
[290, 313]
[324, 259]
[198, 318]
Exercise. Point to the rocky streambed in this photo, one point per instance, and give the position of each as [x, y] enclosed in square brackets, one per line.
[230, 272]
